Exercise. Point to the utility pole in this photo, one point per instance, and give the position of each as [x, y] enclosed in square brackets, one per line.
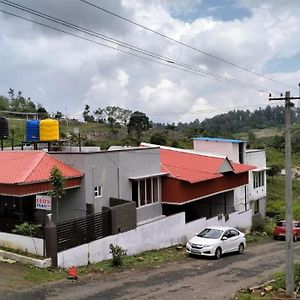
[289, 269]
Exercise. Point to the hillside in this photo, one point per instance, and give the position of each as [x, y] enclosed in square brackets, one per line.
[262, 128]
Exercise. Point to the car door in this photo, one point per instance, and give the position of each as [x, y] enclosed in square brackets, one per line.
[297, 229]
[226, 242]
[234, 240]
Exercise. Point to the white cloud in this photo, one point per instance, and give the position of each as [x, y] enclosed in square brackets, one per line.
[123, 78]
[61, 71]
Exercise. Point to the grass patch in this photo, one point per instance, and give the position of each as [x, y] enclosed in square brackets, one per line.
[147, 259]
[37, 275]
[276, 196]
[143, 260]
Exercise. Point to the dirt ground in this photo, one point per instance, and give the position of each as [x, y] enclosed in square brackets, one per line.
[199, 278]
[12, 277]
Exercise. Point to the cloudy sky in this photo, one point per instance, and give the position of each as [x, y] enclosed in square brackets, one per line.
[64, 72]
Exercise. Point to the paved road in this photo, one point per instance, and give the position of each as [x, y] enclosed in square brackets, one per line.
[198, 278]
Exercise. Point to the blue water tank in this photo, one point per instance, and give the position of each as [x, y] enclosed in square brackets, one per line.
[33, 131]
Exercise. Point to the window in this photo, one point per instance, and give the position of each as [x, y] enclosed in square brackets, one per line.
[146, 191]
[258, 179]
[98, 191]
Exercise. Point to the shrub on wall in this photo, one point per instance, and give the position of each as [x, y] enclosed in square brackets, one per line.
[27, 229]
[118, 254]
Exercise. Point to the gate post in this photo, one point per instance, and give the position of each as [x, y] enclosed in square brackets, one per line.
[51, 240]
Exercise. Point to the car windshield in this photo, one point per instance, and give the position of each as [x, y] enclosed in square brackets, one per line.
[210, 233]
[281, 224]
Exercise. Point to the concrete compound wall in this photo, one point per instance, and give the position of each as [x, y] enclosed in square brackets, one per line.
[22, 243]
[148, 237]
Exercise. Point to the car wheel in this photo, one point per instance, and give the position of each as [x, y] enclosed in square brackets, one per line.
[241, 248]
[295, 238]
[218, 253]
[275, 237]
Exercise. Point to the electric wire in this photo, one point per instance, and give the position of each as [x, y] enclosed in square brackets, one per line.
[166, 60]
[184, 44]
[134, 48]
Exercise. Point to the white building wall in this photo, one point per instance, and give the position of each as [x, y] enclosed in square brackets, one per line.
[166, 232]
[257, 158]
[23, 243]
[231, 150]
[111, 170]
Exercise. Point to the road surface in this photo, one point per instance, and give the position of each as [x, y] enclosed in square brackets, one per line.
[196, 278]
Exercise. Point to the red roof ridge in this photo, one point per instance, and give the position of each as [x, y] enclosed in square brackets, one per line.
[36, 160]
[187, 151]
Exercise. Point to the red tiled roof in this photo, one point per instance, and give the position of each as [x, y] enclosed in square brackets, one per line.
[26, 167]
[194, 167]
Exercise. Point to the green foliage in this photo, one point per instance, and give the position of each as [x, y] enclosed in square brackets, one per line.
[158, 138]
[280, 277]
[27, 229]
[175, 144]
[275, 157]
[276, 196]
[18, 103]
[118, 254]
[58, 183]
[139, 123]
[113, 115]
[258, 224]
[273, 170]
[4, 103]
[86, 114]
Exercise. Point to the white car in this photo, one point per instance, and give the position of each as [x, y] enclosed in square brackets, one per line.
[215, 241]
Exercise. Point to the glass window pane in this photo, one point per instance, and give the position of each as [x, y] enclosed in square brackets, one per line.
[149, 192]
[155, 189]
[142, 192]
[135, 192]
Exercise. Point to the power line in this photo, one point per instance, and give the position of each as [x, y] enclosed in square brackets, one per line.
[165, 60]
[184, 44]
[134, 48]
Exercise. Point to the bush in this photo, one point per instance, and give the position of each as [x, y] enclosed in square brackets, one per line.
[27, 229]
[118, 254]
[260, 224]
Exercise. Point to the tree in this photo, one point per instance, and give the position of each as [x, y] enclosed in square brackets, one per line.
[158, 138]
[58, 184]
[19, 103]
[273, 170]
[4, 103]
[251, 138]
[113, 115]
[41, 110]
[58, 115]
[139, 123]
[86, 114]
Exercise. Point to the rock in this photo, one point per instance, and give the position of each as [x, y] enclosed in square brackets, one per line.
[179, 247]
[140, 258]
[262, 293]
[7, 260]
[268, 288]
